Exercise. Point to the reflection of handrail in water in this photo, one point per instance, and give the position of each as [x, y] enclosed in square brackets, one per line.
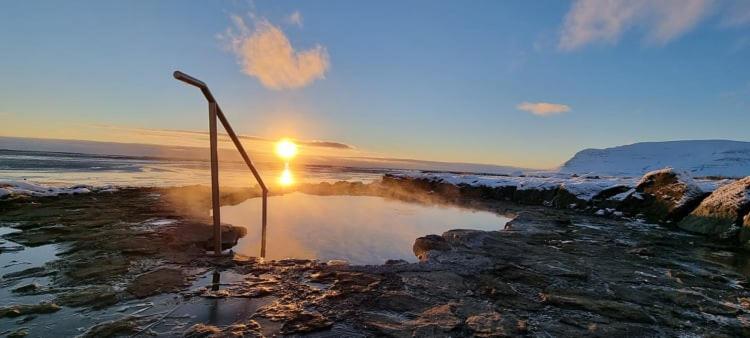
[214, 112]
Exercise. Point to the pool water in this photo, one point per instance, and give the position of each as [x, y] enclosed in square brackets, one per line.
[358, 229]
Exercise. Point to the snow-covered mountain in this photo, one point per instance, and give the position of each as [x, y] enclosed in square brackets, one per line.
[700, 158]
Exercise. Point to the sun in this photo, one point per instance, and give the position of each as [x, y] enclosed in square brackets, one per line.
[286, 149]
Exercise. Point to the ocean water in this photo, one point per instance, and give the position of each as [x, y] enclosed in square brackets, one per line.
[65, 169]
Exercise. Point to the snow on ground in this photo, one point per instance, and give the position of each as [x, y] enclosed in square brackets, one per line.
[13, 188]
[583, 187]
[700, 158]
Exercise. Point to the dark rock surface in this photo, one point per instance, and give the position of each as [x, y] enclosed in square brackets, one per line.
[551, 273]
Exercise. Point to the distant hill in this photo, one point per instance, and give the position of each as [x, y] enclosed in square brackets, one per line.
[700, 158]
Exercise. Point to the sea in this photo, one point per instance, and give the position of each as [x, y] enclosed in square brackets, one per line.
[66, 169]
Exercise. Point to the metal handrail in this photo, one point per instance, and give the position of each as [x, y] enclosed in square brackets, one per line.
[214, 112]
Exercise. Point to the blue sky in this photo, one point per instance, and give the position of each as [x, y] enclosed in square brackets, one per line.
[407, 79]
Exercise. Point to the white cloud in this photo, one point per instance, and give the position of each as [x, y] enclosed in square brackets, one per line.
[543, 108]
[295, 18]
[265, 52]
[592, 21]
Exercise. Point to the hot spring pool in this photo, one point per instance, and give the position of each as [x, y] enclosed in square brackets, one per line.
[359, 229]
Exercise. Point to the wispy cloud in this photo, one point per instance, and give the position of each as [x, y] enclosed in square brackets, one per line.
[265, 52]
[604, 21]
[543, 108]
[295, 18]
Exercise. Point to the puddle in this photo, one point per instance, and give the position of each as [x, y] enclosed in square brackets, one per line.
[358, 229]
[25, 257]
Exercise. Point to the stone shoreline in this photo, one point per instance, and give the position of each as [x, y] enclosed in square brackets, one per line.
[552, 272]
[664, 196]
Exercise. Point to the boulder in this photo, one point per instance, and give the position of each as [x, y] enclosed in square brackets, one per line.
[664, 196]
[423, 245]
[723, 213]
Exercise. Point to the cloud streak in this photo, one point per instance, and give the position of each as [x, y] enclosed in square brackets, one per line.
[543, 108]
[604, 21]
[265, 53]
[222, 136]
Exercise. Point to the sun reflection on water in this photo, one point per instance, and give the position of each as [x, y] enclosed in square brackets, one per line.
[286, 178]
[286, 149]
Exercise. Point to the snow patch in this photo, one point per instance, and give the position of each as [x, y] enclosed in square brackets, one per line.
[584, 188]
[13, 189]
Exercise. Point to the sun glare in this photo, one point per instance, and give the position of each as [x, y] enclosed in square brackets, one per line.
[286, 149]
[286, 177]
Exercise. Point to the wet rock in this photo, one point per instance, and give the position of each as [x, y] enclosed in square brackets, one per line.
[354, 282]
[97, 269]
[28, 309]
[445, 282]
[664, 196]
[337, 262]
[435, 321]
[124, 326]
[202, 233]
[294, 318]
[535, 196]
[305, 322]
[10, 248]
[504, 294]
[395, 262]
[423, 245]
[22, 332]
[642, 251]
[27, 288]
[157, 281]
[400, 301]
[30, 272]
[201, 331]
[249, 329]
[564, 199]
[25, 319]
[344, 282]
[384, 324]
[493, 324]
[97, 296]
[598, 305]
[722, 212]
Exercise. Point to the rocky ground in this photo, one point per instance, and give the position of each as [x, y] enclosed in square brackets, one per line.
[132, 262]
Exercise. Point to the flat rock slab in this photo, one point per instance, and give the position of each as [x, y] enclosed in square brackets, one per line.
[158, 281]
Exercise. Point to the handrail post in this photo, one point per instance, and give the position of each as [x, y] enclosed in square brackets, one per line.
[212, 112]
[215, 113]
[263, 231]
